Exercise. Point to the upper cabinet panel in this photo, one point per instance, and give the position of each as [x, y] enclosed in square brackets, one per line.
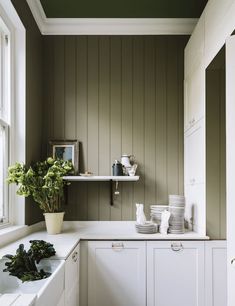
[194, 98]
[219, 24]
[195, 154]
[194, 50]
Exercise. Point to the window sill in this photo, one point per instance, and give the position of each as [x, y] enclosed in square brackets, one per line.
[15, 232]
[11, 233]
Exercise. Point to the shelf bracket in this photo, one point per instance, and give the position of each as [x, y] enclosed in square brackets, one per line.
[111, 192]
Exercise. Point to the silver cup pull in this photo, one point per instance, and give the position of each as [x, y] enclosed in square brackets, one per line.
[177, 247]
[117, 246]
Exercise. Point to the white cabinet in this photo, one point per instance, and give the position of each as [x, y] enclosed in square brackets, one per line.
[72, 278]
[175, 273]
[195, 207]
[194, 152]
[194, 98]
[61, 300]
[216, 273]
[116, 273]
[194, 50]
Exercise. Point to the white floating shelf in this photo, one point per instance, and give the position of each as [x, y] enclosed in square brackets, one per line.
[102, 178]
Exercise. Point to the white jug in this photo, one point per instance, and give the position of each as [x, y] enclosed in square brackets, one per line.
[125, 160]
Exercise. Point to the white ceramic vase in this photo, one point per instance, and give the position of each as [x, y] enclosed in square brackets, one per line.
[54, 222]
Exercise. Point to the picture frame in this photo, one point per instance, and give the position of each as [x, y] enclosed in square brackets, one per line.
[66, 150]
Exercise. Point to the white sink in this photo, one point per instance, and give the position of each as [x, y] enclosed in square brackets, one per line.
[43, 288]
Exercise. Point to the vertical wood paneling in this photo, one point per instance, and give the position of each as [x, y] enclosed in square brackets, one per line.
[104, 124]
[223, 223]
[70, 87]
[180, 51]
[70, 111]
[118, 94]
[48, 85]
[127, 119]
[93, 124]
[150, 123]
[172, 117]
[115, 112]
[59, 90]
[161, 121]
[82, 122]
[138, 118]
[215, 154]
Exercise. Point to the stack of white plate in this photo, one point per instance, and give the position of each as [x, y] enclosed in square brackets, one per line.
[176, 208]
[176, 200]
[156, 212]
[147, 228]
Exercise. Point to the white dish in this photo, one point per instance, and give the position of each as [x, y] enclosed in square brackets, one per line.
[86, 174]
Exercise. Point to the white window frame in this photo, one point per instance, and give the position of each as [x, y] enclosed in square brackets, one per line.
[17, 131]
[5, 82]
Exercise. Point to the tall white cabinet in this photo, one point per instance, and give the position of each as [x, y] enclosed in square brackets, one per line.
[116, 273]
[175, 273]
[194, 176]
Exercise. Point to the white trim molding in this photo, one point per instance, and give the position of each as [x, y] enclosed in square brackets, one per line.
[110, 26]
[18, 103]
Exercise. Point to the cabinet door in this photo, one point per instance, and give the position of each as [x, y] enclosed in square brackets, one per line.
[116, 273]
[61, 301]
[195, 213]
[194, 99]
[72, 279]
[216, 273]
[175, 273]
[194, 152]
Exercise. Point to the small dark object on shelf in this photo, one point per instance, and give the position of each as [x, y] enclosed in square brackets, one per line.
[23, 264]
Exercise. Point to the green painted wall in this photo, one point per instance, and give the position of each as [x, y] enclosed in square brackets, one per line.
[215, 148]
[117, 94]
[123, 8]
[34, 89]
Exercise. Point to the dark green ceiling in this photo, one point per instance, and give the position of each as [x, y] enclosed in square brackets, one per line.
[123, 8]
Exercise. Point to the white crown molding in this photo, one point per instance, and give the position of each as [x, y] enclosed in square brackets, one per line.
[110, 26]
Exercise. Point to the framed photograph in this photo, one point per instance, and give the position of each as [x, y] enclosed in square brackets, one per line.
[66, 150]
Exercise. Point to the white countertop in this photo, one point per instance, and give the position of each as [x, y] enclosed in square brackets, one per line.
[120, 230]
[11, 299]
[63, 243]
[74, 231]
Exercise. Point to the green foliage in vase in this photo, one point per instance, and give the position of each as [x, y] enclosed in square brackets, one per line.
[43, 181]
[23, 264]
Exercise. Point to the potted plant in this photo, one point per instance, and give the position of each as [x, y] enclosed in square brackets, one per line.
[44, 182]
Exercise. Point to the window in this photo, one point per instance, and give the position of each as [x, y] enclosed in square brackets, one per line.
[5, 99]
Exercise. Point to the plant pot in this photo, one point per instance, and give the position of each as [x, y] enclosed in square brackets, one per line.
[54, 222]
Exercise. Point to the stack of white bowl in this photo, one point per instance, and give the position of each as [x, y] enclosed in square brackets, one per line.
[147, 228]
[156, 212]
[177, 209]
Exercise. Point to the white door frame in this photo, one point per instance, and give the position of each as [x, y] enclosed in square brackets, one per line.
[230, 165]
